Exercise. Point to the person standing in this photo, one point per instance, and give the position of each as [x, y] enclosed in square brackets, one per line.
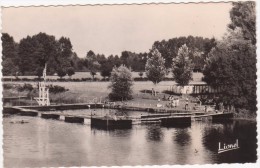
[186, 104]
[177, 102]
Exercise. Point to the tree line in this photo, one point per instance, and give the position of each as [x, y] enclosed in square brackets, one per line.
[29, 56]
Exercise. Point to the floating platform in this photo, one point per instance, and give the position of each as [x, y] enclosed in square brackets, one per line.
[29, 113]
[176, 121]
[111, 122]
[170, 119]
[50, 116]
[74, 119]
[222, 117]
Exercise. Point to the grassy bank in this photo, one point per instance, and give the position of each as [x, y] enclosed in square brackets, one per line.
[243, 114]
[87, 92]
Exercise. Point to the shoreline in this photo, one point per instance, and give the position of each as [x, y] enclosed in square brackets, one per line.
[245, 119]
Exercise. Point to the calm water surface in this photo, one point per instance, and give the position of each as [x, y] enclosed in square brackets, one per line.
[56, 143]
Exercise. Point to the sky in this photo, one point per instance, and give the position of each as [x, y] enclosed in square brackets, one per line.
[111, 29]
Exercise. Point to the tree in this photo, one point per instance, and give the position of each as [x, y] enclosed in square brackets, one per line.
[10, 47]
[121, 84]
[61, 72]
[125, 55]
[39, 72]
[10, 55]
[70, 71]
[232, 66]
[92, 63]
[232, 63]
[154, 68]
[65, 54]
[169, 49]
[182, 66]
[40, 49]
[94, 68]
[9, 68]
[243, 15]
[105, 69]
[91, 55]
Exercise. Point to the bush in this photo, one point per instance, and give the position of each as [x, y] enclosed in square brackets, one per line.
[7, 86]
[57, 89]
[121, 84]
[25, 87]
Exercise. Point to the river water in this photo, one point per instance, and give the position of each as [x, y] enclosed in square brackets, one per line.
[42, 142]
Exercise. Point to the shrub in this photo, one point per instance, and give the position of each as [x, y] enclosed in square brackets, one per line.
[7, 86]
[57, 89]
[25, 87]
[121, 84]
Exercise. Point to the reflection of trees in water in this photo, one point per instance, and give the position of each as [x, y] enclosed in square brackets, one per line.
[112, 132]
[183, 149]
[215, 133]
[154, 132]
[182, 137]
[228, 133]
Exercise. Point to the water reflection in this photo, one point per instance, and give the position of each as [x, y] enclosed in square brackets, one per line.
[178, 125]
[228, 133]
[56, 143]
[182, 136]
[154, 132]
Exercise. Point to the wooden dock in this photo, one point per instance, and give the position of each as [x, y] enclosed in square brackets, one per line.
[166, 119]
[111, 122]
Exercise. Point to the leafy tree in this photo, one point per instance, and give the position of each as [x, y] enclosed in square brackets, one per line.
[116, 60]
[125, 58]
[154, 68]
[169, 49]
[94, 68]
[61, 72]
[92, 63]
[232, 66]
[70, 71]
[121, 84]
[106, 69]
[182, 66]
[10, 47]
[101, 59]
[10, 55]
[65, 47]
[243, 15]
[91, 55]
[9, 68]
[232, 63]
[37, 50]
[39, 72]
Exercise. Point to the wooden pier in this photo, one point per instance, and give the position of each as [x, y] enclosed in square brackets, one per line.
[110, 122]
[176, 121]
[74, 119]
[180, 118]
[50, 116]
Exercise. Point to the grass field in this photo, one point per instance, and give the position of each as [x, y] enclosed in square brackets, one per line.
[83, 92]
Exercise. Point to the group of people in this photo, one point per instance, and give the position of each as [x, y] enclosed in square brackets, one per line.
[174, 101]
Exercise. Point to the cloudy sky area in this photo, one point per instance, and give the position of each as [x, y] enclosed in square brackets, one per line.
[111, 29]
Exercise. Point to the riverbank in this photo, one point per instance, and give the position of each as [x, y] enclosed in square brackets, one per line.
[243, 114]
[93, 92]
